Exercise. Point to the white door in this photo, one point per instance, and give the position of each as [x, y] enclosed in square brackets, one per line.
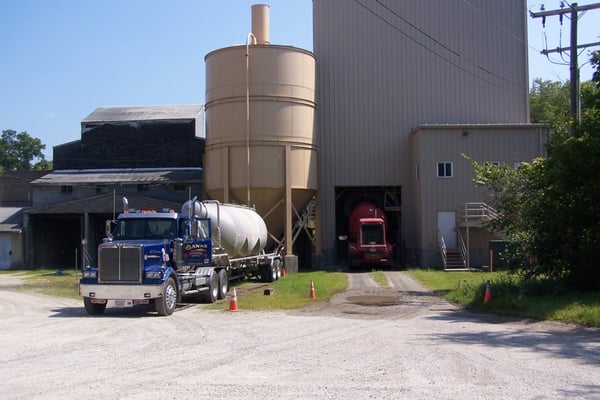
[4, 251]
[446, 222]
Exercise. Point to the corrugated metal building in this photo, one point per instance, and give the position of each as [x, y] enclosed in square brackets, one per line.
[16, 196]
[150, 154]
[399, 80]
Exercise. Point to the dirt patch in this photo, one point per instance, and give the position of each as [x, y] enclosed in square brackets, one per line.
[373, 300]
[364, 298]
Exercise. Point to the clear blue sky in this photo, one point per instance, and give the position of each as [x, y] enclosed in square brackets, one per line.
[60, 59]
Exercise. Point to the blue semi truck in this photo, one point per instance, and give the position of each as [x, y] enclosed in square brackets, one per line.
[159, 257]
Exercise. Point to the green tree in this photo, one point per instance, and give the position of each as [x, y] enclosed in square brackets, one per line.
[18, 150]
[595, 61]
[550, 208]
[549, 102]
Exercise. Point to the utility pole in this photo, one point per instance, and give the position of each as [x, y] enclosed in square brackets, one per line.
[573, 9]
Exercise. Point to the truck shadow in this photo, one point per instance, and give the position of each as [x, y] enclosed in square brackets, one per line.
[138, 311]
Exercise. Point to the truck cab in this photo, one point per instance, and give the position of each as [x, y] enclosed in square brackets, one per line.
[368, 244]
[144, 259]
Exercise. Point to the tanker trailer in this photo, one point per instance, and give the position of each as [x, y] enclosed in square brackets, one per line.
[368, 243]
[241, 234]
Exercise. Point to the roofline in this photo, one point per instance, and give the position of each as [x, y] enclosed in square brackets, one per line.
[109, 170]
[479, 126]
[88, 120]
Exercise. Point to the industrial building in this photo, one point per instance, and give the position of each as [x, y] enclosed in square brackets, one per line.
[403, 90]
[116, 157]
[392, 98]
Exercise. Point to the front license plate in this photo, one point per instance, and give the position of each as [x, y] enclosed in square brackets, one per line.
[123, 303]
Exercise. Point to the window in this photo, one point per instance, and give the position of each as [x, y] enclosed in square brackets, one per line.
[494, 163]
[143, 188]
[444, 169]
[66, 189]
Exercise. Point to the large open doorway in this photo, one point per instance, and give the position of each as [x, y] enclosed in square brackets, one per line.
[55, 240]
[387, 198]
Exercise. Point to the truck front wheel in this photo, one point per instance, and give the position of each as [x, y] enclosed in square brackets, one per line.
[166, 304]
[93, 308]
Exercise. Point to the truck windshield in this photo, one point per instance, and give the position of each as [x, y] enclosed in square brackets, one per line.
[145, 228]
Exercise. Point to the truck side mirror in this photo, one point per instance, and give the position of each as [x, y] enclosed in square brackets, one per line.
[108, 228]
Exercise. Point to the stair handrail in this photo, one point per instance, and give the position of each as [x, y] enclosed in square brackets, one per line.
[479, 212]
[442, 247]
[462, 247]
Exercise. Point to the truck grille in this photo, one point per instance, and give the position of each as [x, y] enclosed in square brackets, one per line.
[120, 264]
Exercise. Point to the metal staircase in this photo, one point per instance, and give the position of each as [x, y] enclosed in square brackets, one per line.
[476, 214]
[473, 215]
[453, 258]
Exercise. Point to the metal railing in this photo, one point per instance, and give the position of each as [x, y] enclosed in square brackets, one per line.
[442, 247]
[477, 213]
[464, 254]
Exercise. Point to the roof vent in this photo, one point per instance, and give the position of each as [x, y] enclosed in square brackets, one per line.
[260, 23]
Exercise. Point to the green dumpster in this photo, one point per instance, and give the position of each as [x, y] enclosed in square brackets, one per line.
[499, 255]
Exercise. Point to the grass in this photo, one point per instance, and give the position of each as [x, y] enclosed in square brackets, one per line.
[536, 298]
[291, 292]
[380, 278]
[50, 283]
[540, 299]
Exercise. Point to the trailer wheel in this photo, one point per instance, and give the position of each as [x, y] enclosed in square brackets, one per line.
[277, 266]
[93, 308]
[223, 284]
[267, 273]
[166, 304]
[212, 294]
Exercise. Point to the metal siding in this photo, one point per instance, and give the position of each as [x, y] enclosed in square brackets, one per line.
[432, 61]
[447, 143]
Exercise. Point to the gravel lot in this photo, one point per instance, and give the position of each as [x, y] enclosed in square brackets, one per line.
[369, 343]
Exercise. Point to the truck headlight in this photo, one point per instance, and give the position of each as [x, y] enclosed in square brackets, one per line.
[154, 275]
[90, 274]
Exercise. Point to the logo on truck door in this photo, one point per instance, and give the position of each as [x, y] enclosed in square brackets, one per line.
[195, 250]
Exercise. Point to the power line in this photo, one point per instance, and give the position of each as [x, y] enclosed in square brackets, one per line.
[506, 83]
[573, 10]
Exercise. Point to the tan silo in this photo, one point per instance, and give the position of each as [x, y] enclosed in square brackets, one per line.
[261, 147]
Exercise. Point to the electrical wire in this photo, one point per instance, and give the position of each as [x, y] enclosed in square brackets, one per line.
[485, 75]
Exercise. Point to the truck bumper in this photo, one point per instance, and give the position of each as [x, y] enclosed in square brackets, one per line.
[121, 292]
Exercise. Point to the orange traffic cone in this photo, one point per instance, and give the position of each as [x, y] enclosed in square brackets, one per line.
[233, 305]
[283, 272]
[488, 293]
[312, 290]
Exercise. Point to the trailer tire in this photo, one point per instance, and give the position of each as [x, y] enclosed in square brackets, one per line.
[267, 273]
[277, 266]
[93, 308]
[165, 305]
[223, 284]
[212, 294]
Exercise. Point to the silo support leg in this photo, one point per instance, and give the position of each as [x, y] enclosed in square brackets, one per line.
[291, 264]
